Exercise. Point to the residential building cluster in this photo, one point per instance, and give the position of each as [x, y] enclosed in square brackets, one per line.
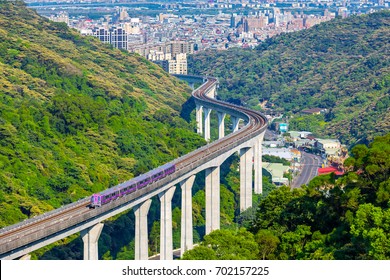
[169, 37]
[290, 147]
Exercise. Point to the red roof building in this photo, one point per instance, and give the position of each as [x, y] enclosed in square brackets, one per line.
[330, 169]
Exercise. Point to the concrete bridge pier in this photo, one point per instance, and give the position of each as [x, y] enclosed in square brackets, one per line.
[186, 214]
[236, 122]
[212, 199]
[141, 230]
[221, 124]
[90, 238]
[207, 112]
[199, 119]
[166, 246]
[246, 158]
[258, 165]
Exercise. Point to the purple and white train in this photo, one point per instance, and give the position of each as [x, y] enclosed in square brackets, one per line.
[132, 185]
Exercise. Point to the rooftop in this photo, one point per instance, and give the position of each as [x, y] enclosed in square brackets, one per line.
[330, 169]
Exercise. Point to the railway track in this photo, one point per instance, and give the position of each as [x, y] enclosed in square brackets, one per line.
[27, 230]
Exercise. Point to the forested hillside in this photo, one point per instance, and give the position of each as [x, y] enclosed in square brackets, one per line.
[331, 218]
[77, 116]
[342, 65]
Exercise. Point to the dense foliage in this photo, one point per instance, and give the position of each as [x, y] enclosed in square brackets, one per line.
[342, 65]
[331, 218]
[77, 116]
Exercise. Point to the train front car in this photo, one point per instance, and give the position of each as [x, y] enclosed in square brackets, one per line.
[96, 200]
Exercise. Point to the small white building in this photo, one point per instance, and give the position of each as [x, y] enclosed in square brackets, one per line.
[278, 152]
[330, 147]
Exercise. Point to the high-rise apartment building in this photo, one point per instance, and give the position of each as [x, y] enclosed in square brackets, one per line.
[102, 34]
[116, 36]
[178, 65]
[180, 47]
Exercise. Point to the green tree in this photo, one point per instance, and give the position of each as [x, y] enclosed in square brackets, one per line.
[370, 229]
[127, 252]
[232, 245]
[267, 243]
[154, 238]
[292, 243]
[200, 253]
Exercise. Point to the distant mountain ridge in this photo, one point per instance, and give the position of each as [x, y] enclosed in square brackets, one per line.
[77, 116]
[342, 65]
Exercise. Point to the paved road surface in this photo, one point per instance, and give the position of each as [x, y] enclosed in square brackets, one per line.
[310, 164]
[176, 255]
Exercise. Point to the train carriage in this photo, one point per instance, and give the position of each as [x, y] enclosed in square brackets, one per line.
[132, 185]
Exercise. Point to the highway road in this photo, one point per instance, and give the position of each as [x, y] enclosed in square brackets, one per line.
[310, 164]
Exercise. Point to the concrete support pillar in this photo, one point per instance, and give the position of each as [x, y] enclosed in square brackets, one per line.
[186, 215]
[221, 124]
[212, 199]
[258, 165]
[236, 122]
[207, 112]
[90, 238]
[199, 119]
[246, 158]
[141, 230]
[166, 246]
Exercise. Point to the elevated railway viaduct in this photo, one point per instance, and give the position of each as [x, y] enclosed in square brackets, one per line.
[20, 239]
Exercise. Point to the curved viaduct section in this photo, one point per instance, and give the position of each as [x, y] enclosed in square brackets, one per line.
[20, 239]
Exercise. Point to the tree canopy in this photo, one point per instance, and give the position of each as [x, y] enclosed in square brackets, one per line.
[330, 218]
